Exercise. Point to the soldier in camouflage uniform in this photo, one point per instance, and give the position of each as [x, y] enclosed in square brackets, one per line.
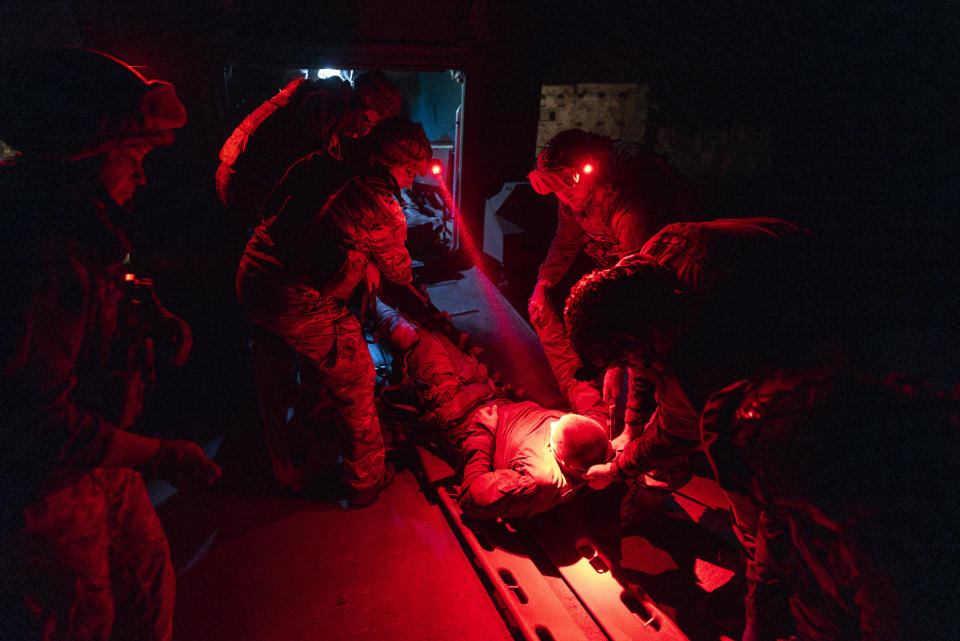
[613, 196]
[702, 305]
[854, 483]
[306, 116]
[83, 553]
[295, 281]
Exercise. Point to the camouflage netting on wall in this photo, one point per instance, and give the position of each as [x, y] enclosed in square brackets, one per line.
[616, 110]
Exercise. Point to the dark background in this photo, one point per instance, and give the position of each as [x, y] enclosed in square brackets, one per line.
[859, 100]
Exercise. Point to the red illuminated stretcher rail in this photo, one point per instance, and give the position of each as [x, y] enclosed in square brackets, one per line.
[539, 609]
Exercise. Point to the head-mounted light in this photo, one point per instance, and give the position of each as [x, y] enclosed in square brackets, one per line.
[548, 181]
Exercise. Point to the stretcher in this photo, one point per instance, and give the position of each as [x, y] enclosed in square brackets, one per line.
[550, 577]
[547, 586]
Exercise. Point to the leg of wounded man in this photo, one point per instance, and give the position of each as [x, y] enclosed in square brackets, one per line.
[450, 385]
[399, 332]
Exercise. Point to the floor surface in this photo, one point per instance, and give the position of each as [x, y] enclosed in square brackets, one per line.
[256, 563]
[283, 568]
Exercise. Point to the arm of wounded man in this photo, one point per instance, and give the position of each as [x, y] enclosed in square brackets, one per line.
[487, 492]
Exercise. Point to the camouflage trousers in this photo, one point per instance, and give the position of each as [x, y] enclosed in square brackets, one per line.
[336, 360]
[93, 562]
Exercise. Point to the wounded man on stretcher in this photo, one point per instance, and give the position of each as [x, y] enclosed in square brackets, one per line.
[519, 458]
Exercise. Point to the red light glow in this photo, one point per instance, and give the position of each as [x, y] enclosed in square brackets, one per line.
[436, 168]
[496, 305]
[588, 169]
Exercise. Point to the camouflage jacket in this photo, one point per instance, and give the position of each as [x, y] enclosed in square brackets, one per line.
[327, 245]
[303, 117]
[75, 363]
[638, 195]
[741, 280]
